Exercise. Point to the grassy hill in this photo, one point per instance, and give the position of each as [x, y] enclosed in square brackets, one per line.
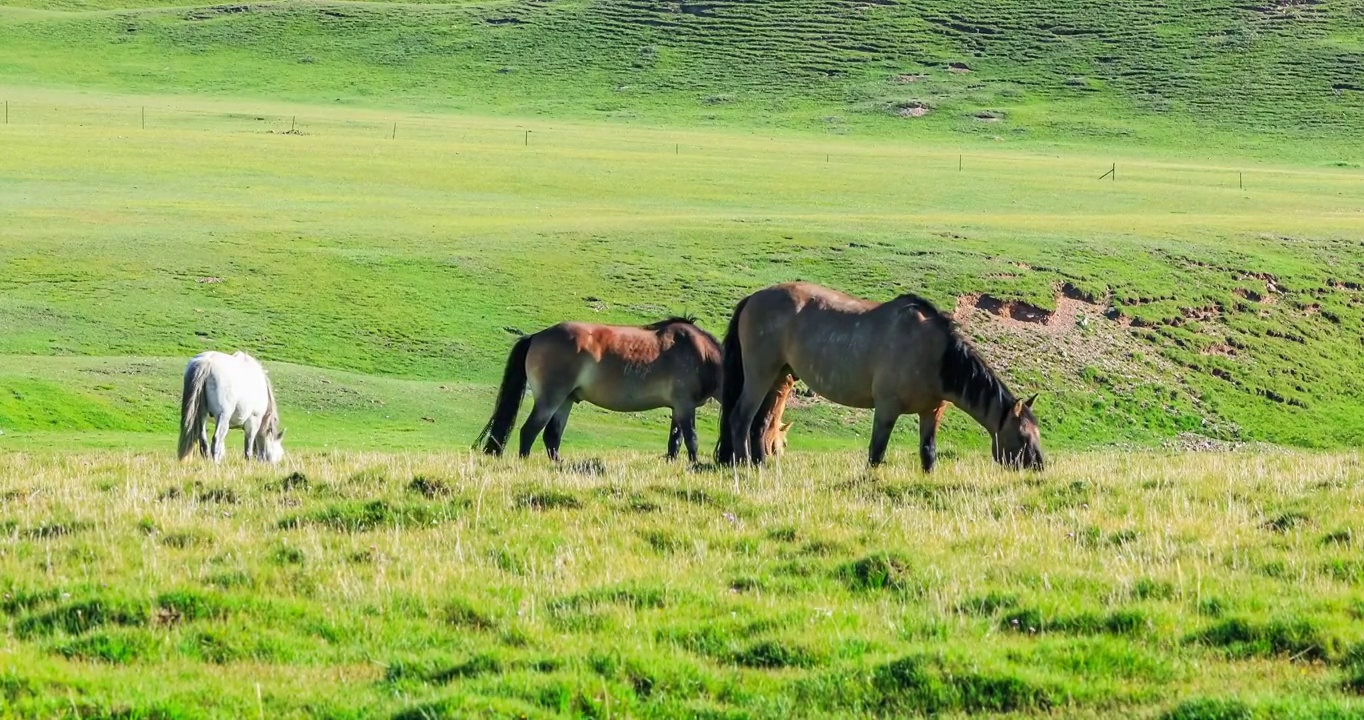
[1256, 74]
[1169, 301]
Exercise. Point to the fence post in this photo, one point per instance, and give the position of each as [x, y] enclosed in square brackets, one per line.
[395, 132]
[1240, 181]
[293, 121]
[527, 138]
[144, 117]
[959, 163]
[6, 112]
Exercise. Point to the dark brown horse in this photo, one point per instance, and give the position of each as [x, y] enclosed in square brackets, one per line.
[672, 364]
[899, 357]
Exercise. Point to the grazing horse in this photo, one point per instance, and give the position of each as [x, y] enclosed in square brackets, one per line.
[899, 357]
[671, 363]
[235, 390]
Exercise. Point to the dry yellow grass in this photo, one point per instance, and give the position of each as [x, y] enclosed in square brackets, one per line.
[362, 584]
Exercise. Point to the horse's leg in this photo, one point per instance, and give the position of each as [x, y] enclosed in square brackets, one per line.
[250, 428]
[750, 404]
[203, 435]
[685, 421]
[928, 436]
[222, 424]
[882, 424]
[674, 437]
[554, 431]
[544, 411]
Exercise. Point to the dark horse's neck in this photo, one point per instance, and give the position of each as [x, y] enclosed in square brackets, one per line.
[969, 384]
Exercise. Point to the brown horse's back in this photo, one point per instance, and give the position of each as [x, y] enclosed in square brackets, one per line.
[838, 344]
[626, 369]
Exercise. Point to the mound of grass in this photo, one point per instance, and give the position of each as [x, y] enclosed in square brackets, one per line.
[1298, 638]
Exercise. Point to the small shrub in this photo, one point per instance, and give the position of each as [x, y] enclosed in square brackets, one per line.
[363, 516]
[225, 496]
[1344, 536]
[1285, 522]
[1122, 537]
[182, 539]
[429, 487]
[1298, 639]
[1148, 589]
[783, 534]
[663, 541]
[1209, 709]
[77, 617]
[988, 604]
[461, 613]
[880, 571]
[771, 654]
[115, 648]
[286, 555]
[48, 530]
[547, 500]
[190, 605]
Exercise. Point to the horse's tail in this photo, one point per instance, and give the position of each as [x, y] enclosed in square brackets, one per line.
[191, 405]
[509, 395]
[731, 385]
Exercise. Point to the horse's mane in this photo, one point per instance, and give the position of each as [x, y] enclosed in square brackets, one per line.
[686, 319]
[963, 373]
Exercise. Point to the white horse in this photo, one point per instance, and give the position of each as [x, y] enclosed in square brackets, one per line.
[235, 390]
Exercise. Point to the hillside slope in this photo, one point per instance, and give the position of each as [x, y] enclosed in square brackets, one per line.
[1172, 300]
[1263, 73]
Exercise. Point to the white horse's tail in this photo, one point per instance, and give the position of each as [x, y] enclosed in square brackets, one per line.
[191, 400]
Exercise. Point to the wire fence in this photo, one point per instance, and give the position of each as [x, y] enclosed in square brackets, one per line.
[358, 124]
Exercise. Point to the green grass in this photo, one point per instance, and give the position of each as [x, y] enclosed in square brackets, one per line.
[1277, 77]
[442, 585]
[384, 278]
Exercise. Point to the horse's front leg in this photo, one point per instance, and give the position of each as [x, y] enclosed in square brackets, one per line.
[928, 436]
[883, 424]
[674, 438]
[251, 427]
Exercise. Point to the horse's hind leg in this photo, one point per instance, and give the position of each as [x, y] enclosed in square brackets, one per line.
[544, 411]
[222, 424]
[554, 431]
[202, 426]
[685, 422]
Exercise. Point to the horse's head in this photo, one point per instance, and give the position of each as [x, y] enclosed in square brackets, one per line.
[1018, 444]
[270, 447]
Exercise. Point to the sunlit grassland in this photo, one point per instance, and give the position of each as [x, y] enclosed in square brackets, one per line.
[357, 584]
[394, 271]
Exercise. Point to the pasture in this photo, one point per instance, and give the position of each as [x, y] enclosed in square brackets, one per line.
[382, 240]
[444, 585]
[384, 279]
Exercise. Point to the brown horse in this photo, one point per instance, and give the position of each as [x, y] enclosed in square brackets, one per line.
[899, 357]
[671, 363]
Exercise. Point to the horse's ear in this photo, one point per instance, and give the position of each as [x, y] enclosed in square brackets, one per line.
[785, 427]
[1028, 403]
[1018, 408]
[280, 436]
